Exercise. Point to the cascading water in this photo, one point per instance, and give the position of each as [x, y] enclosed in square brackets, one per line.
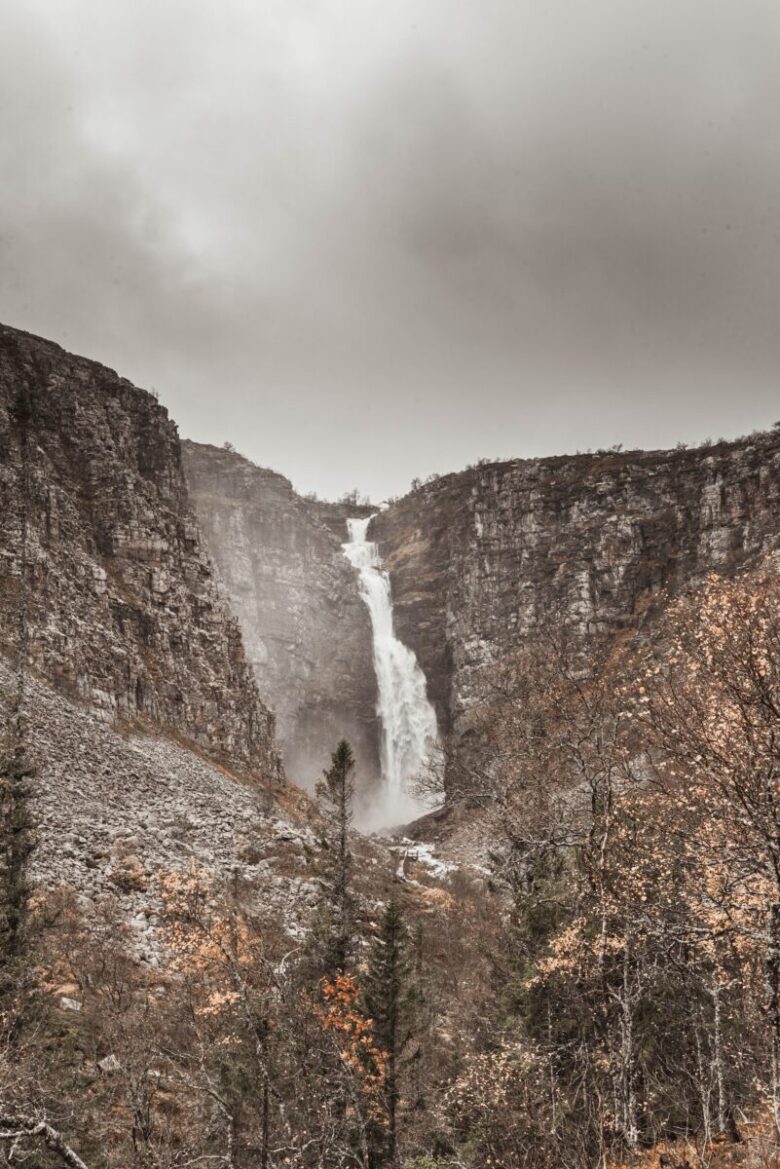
[409, 730]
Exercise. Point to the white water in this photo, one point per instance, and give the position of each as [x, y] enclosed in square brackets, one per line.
[408, 720]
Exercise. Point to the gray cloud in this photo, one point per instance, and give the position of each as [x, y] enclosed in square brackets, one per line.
[365, 242]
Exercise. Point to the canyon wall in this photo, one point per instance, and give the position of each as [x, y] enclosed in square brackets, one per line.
[477, 559]
[124, 610]
[305, 627]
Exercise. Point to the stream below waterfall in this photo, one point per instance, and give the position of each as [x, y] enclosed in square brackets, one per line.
[407, 718]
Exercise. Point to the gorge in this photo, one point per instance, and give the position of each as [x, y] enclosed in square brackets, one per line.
[129, 588]
[389, 666]
[196, 638]
[476, 561]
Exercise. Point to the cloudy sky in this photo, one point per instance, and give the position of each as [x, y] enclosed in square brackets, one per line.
[366, 241]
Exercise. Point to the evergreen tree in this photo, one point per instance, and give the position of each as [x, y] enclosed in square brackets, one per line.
[336, 792]
[389, 1002]
[15, 844]
[16, 770]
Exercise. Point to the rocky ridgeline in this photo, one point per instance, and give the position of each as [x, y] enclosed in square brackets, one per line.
[124, 610]
[478, 559]
[305, 628]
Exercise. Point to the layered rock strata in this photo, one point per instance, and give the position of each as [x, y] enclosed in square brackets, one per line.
[478, 559]
[123, 608]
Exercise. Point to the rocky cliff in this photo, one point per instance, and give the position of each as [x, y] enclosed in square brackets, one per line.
[124, 610]
[305, 627]
[477, 559]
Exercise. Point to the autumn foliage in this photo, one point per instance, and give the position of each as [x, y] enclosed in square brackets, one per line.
[353, 1036]
[601, 992]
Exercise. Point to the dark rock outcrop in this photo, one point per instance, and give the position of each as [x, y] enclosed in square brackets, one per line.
[124, 610]
[306, 629]
[477, 559]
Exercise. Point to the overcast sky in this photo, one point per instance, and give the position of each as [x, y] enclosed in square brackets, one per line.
[366, 241]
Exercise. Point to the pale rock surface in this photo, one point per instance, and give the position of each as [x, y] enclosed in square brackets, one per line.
[114, 814]
[305, 627]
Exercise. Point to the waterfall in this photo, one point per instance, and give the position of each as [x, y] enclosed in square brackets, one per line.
[407, 718]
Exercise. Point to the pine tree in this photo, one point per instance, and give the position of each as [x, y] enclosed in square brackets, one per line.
[16, 770]
[336, 792]
[15, 843]
[389, 1002]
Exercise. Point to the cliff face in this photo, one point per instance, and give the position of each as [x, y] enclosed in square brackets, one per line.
[124, 610]
[477, 559]
[305, 627]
